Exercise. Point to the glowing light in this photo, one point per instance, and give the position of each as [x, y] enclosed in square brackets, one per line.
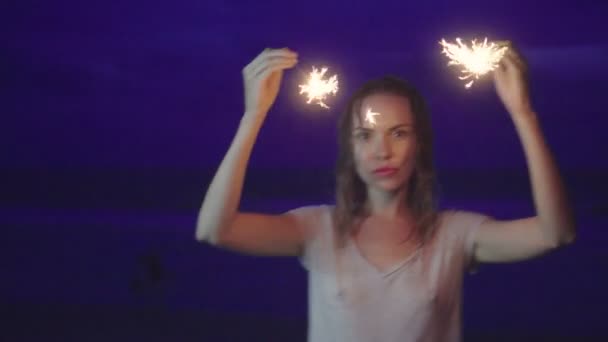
[317, 88]
[476, 60]
[370, 116]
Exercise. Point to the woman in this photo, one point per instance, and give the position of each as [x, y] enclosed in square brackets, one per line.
[384, 264]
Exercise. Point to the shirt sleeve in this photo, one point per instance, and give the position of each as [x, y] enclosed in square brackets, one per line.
[309, 218]
[464, 227]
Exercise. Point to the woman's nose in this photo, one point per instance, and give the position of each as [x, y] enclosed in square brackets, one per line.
[383, 148]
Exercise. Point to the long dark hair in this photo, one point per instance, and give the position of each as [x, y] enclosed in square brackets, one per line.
[351, 191]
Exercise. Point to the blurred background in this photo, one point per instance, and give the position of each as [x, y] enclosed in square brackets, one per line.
[116, 114]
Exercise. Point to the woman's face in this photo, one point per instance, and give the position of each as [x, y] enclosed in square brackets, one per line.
[384, 138]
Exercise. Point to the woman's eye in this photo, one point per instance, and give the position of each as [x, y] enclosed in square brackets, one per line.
[363, 136]
[401, 133]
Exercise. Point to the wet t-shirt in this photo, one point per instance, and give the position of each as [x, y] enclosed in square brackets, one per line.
[417, 299]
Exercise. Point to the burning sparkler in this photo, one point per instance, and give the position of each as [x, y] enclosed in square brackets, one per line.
[318, 88]
[476, 60]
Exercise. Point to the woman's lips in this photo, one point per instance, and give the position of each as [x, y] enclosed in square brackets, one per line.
[385, 171]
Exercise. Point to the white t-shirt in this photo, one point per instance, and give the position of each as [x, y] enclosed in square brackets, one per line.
[418, 299]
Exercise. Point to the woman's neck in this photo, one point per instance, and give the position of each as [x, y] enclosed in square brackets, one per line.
[389, 206]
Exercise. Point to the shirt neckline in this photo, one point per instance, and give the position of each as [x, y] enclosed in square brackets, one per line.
[391, 269]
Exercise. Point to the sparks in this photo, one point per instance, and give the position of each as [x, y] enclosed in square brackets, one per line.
[318, 88]
[476, 60]
[369, 116]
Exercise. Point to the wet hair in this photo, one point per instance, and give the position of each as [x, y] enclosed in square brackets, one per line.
[351, 191]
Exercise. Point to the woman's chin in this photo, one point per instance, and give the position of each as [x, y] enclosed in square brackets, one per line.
[388, 185]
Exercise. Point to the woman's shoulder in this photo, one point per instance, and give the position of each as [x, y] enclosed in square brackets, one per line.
[311, 210]
[454, 216]
[313, 215]
[455, 222]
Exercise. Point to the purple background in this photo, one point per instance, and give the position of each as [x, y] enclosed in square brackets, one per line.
[117, 113]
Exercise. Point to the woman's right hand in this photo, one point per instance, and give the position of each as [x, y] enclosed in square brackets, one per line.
[262, 78]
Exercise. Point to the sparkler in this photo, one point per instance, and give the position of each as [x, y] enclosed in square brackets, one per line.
[476, 60]
[318, 88]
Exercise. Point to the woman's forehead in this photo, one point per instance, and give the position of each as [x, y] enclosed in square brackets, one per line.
[383, 110]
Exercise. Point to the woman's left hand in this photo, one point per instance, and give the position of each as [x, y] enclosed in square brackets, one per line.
[510, 81]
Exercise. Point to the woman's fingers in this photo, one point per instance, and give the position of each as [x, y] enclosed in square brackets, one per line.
[262, 77]
[255, 61]
[511, 61]
[516, 58]
[511, 58]
[268, 54]
[270, 70]
[512, 52]
[274, 64]
[502, 43]
[270, 63]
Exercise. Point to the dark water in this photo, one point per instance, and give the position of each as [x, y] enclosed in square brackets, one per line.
[88, 268]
